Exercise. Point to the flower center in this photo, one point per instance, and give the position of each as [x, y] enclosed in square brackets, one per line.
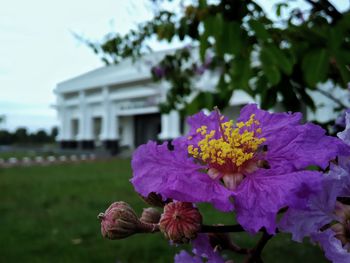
[229, 148]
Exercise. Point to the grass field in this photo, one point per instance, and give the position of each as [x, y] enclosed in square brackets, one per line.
[48, 214]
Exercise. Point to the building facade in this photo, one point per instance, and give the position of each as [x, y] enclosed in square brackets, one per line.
[116, 107]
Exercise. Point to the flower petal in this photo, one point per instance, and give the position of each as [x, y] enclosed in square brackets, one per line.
[332, 246]
[345, 135]
[203, 252]
[200, 119]
[175, 175]
[293, 146]
[303, 145]
[262, 194]
[185, 257]
[319, 211]
[202, 247]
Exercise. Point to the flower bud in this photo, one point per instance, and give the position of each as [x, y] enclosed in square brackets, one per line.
[180, 222]
[119, 221]
[150, 215]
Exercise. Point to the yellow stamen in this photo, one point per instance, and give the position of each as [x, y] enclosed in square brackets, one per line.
[236, 144]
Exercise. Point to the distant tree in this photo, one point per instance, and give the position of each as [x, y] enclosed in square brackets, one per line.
[2, 119]
[54, 133]
[41, 137]
[21, 135]
[6, 138]
[270, 59]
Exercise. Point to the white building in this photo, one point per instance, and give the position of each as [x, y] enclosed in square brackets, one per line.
[116, 106]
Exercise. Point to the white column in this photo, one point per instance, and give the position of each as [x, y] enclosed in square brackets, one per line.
[88, 129]
[170, 126]
[81, 118]
[110, 122]
[85, 120]
[64, 116]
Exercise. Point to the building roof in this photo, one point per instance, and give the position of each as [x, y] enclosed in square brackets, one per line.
[127, 71]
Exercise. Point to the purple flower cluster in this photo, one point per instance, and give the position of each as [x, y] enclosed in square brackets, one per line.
[202, 252]
[324, 219]
[255, 167]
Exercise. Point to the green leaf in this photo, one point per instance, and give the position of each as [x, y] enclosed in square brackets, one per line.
[342, 63]
[268, 61]
[217, 33]
[259, 29]
[241, 73]
[232, 38]
[283, 62]
[315, 66]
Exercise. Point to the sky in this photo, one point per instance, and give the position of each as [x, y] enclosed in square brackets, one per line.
[38, 50]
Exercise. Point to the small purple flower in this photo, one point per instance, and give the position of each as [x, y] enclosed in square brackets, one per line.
[333, 248]
[202, 250]
[345, 135]
[205, 65]
[340, 121]
[158, 71]
[259, 162]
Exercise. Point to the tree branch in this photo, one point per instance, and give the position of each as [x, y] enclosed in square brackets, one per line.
[255, 254]
[330, 96]
[221, 229]
[327, 7]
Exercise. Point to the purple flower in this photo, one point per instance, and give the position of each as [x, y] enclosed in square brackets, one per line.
[341, 119]
[324, 219]
[333, 248]
[200, 69]
[158, 71]
[345, 135]
[325, 212]
[318, 212]
[259, 162]
[201, 250]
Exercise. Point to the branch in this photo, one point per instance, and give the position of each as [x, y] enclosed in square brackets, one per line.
[255, 254]
[221, 229]
[325, 5]
[330, 96]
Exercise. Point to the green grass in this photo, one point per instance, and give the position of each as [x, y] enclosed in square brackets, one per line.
[48, 214]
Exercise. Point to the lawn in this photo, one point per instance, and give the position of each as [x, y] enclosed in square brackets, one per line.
[48, 214]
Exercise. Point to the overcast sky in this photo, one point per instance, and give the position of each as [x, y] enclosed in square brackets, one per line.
[38, 50]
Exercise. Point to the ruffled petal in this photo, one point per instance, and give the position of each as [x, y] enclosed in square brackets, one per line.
[185, 257]
[175, 175]
[332, 247]
[262, 194]
[203, 252]
[301, 146]
[293, 146]
[345, 135]
[318, 213]
[269, 122]
[202, 247]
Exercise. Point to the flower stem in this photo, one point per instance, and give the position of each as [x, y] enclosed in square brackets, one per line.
[255, 254]
[221, 229]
